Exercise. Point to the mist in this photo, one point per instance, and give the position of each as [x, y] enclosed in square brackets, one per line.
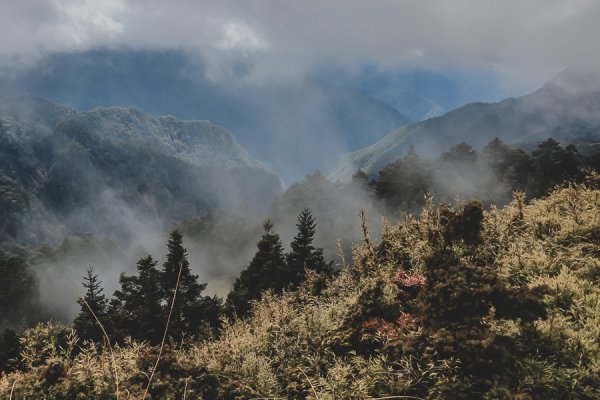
[275, 92]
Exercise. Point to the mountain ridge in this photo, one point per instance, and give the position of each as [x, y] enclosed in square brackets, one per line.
[69, 172]
[267, 118]
[560, 109]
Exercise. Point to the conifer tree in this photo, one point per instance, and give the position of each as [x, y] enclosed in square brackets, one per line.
[191, 310]
[265, 271]
[85, 324]
[303, 254]
[136, 310]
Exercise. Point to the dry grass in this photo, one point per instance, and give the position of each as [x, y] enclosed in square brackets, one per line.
[307, 345]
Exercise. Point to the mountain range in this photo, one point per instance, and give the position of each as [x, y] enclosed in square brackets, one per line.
[293, 126]
[566, 108]
[116, 171]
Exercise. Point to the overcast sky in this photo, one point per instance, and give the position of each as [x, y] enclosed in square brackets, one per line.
[523, 41]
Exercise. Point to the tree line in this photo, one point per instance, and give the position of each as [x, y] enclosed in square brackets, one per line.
[490, 175]
[139, 309]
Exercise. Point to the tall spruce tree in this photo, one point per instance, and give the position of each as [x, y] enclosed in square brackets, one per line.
[85, 323]
[137, 310]
[303, 254]
[267, 270]
[193, 314]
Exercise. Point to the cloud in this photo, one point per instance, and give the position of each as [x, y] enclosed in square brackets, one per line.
[519, 39]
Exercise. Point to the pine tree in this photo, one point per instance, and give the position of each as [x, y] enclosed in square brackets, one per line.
[266, 271]
[85, 323]
[136, 310]
[191, 310]
[303, 254]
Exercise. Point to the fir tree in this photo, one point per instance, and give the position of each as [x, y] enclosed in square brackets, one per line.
[85, 323]
[267, 270]
[303, 254]
[191, 310]
[136, 310]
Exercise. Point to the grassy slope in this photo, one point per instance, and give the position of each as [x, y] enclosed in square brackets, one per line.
[321, 346]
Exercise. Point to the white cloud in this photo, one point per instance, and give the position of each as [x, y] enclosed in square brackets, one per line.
[238, 36]
[87, 22]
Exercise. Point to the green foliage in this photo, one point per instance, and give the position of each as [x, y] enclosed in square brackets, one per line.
[460, 303]
[303, 254]
[93, 305]
[491, 175]
[267, 270]
[404, 183]
[136, 310]
[552, 165]
[193, 314]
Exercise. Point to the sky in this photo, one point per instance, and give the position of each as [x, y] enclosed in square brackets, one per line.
[524, 42]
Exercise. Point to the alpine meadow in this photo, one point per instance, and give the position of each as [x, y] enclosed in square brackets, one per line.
[299, 200]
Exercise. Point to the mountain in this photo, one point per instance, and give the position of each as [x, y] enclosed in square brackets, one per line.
[116, 172]
[417, 93]
[566, 108]
[292, 126]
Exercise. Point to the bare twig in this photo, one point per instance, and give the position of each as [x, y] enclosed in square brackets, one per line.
[12, 389]
[311, 385]
[162, 343]
[112, 354]
[365, 230]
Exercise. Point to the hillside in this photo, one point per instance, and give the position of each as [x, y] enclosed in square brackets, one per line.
[267, 118]
[112, 171]
[457, 304]
[567, 108]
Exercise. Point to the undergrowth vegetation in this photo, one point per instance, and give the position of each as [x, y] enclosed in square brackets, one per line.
[460, 303]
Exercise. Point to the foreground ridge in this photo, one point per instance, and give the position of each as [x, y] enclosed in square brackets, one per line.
[459, 303]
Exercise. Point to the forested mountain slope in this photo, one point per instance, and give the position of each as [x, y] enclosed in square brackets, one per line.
[293, 126]
[112, 171]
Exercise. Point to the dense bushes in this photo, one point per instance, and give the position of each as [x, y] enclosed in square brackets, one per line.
[458, 304]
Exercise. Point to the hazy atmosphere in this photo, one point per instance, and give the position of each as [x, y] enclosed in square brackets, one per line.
[312, 199]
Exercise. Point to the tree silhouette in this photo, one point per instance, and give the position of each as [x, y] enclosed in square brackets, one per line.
[303, 254]
[267, 270]
[192, 312]
[93, 301]
[137, 309]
